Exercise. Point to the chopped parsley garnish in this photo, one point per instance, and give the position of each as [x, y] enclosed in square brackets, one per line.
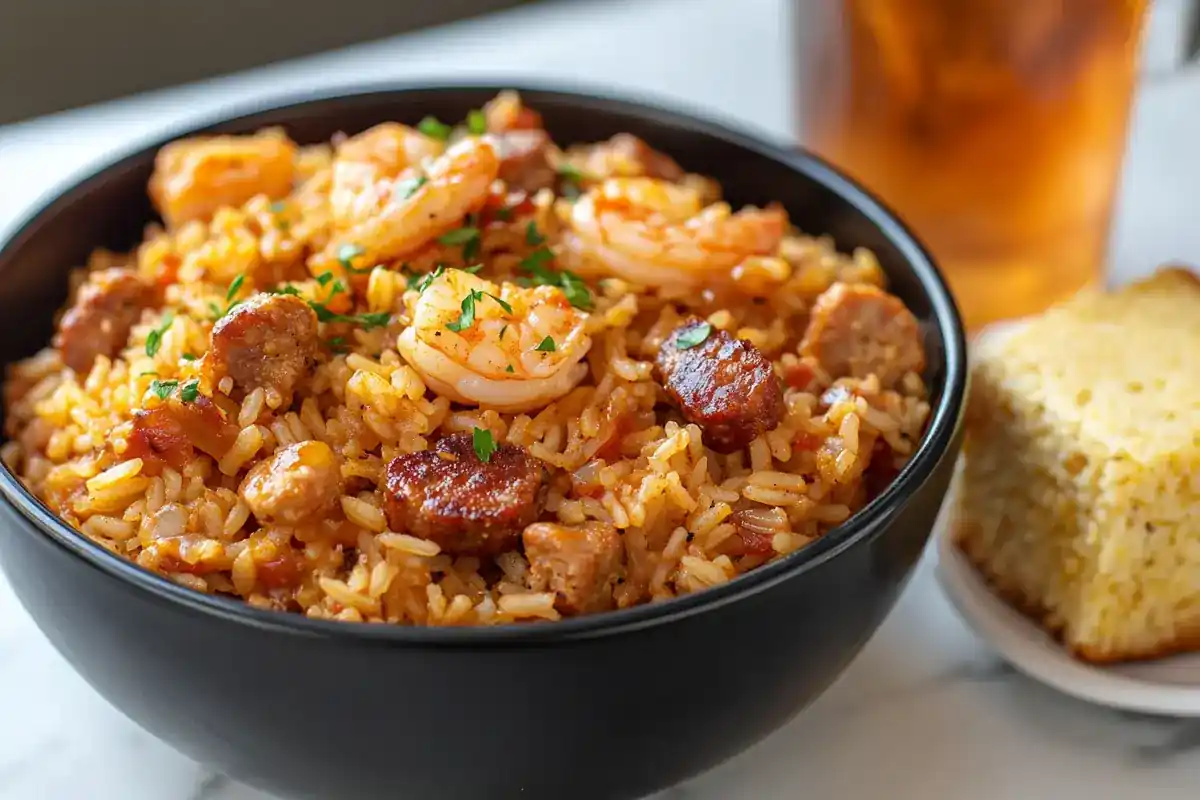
[234, 287]
[163, 388]
[532, 237]
[459, 236]
[484, 444]
[338, 344]
[503, 330]
[435, 128]
[509, 368]
[504, 214]
[367, 321]
[571, 173]
[547, 345]
[693, 336]
[572, 285]
[346, 255]
[188, 356]
[473, 270]
[287, 288]
[408, 187]
[422, 282]
[154, 338]
[467, 318]
[476, 122]
[373, 320]
[147, 372]
[190, 391]
[324, 278]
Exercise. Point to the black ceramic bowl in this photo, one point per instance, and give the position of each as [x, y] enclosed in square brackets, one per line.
[608, 706]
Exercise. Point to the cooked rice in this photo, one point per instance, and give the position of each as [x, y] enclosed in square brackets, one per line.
[619, 453]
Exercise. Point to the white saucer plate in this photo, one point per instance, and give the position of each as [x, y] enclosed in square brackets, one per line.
[1168, 686]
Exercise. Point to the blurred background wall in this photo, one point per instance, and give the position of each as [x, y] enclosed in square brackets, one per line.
[57, 54]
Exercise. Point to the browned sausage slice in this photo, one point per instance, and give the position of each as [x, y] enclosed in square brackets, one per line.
[523, 161]
[269, 341]
[466, 506]
[723, 384]
[857, 330]
[579, 564]
[106, 308]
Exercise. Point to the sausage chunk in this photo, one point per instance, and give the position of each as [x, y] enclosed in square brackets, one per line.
[106, 308]
[194, 177]
[466, 506]
[723, 384]
[523, 161]
[169, 434]
[857, 330]
[299, 482]
[269, 341]
[579, 564]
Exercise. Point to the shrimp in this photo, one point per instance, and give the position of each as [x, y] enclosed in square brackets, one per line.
[655, 233]
[370, 167]
[468, 346]
[393, 218]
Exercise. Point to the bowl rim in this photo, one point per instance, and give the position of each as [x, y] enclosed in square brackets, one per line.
[800, 164]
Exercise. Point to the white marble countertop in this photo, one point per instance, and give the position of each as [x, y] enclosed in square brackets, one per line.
[925, 712]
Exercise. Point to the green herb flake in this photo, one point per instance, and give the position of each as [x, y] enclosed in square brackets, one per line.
[484, 444]
[547, 345]
[435, 128]
[693, 336]
[324, 278]
[473, 270]
[287, 288]
[154, 338]
[375, 320]
[459, 236]
[509, 368]
[503, 214]
[532, 237]
[147, 372]
[408, 187]
[571, 173]
[163, 388]
[476, 122]
[467, 318]
[424, 281]
[503, 330]
[576, 290]
[190, 391]
[507, 308]
[189, 356]
[346, 255]
[234, 287]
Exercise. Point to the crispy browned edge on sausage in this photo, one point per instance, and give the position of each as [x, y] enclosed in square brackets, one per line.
[723, 384]
[466, 506]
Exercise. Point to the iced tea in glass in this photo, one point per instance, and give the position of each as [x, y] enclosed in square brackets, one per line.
[995, 128]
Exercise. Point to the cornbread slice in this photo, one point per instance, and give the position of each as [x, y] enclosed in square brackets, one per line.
[1080, 493]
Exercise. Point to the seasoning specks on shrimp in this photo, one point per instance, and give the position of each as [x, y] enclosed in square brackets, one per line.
[503, 347]
[438, 374]
[656, 233]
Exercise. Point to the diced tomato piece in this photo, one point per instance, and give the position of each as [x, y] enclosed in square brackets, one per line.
[282, 572]
[169, 434]
[798, 375]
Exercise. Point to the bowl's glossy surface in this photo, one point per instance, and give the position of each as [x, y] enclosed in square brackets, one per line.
[613, 705]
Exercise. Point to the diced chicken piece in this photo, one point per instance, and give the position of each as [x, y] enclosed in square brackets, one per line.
[466, 506]
[579, 564]
[106, 308]
[269, 341]
[856, 330]
[723, 384]
[194, 177]
[300, 482]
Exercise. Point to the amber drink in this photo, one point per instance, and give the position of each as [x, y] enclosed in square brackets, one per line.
[996, 128]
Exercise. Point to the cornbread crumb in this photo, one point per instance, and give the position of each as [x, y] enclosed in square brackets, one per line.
[1080, 494]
